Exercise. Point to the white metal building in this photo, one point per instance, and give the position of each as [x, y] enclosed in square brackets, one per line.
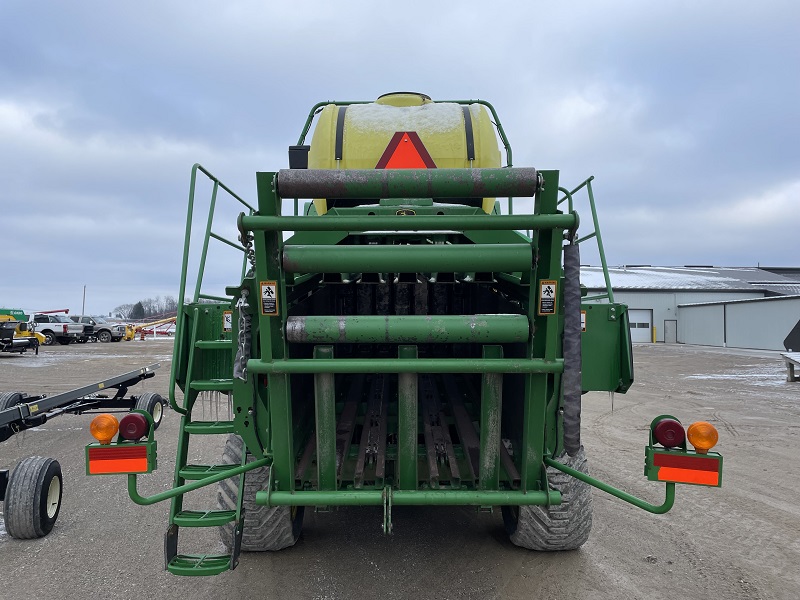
[684, 304]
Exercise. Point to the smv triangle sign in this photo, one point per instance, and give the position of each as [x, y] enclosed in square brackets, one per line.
[406, 151]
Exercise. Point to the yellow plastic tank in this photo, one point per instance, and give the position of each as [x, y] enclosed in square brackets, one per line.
[404, 130]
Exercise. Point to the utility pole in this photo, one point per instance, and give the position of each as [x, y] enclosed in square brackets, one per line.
[83, 306]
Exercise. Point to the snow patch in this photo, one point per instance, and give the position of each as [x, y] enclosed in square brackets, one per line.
[428, 118]
[766, 375]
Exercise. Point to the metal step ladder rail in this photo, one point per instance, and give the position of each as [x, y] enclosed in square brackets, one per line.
[194, 389]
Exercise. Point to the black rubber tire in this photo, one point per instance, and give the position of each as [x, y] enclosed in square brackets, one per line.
[104, 336]
[49, 338]
[64, 341]
[266, 529]
[33, 497]
[9, 399]
[565, 526]
[153, 404]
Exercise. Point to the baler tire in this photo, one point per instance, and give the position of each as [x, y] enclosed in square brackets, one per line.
[266, 529]
[153, 404]
[33, 497]
[564, 526]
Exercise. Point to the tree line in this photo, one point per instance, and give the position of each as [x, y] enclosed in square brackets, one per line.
[148, 309]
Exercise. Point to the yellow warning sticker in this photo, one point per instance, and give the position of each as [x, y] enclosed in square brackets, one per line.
[269, 298]
[548, 292]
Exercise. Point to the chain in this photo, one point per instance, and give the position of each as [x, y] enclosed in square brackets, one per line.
[243, 349]
[249, 252]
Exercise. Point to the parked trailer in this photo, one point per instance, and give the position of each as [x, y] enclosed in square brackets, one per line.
[406, 345]
[32, 491]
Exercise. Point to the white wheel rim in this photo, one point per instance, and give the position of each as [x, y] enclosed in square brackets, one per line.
[158, 410]
[53, 497]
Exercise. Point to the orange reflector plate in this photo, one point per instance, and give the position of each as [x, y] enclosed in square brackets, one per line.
[117, 459]
[687, 469]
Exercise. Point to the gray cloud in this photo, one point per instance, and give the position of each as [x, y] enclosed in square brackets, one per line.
[685, 113]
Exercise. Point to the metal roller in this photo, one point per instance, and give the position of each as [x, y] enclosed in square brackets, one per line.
[406, 183]
[408, 329]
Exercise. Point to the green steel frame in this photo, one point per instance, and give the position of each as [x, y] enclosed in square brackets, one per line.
[263, 411]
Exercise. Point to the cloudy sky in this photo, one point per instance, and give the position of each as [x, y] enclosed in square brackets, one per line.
[685, 112]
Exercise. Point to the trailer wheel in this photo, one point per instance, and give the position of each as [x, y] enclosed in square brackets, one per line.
[265, 528]
[565, 526]
[9, 399]
[33, 497]
[153, 404]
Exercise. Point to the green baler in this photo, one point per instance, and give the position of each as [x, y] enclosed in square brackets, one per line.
[407, 344]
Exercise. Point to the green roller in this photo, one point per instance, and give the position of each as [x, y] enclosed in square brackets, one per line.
[408, 329]
[406, 258]
[403, 223]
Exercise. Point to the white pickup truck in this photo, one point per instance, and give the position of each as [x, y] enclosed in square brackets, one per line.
[61, 329]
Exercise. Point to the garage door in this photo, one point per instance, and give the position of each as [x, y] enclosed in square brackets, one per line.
[641, 321]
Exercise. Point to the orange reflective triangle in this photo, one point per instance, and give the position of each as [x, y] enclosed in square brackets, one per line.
[406, 151]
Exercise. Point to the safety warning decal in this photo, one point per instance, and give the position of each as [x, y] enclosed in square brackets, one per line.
[583, 320]
[269, 298]
[227, 320]
[547, 296]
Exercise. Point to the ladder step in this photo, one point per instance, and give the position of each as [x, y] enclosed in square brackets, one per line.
[213, 344]
[199, 564]
[193, 472]
[203, 518]
[208, 427]
[212, 385]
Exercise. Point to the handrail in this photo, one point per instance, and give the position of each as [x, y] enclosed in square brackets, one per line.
[568, 196]
[181, 315]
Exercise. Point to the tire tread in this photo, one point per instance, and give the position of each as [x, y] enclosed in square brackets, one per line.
[565, 526]
[266, 529]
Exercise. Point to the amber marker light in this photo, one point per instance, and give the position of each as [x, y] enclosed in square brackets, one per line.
[703, 436]
[104, 427]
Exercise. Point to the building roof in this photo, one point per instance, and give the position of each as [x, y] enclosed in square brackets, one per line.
[740, 301]
[722, 279]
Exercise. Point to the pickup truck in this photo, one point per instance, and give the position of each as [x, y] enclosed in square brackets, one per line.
[61, 329]
[102, 330]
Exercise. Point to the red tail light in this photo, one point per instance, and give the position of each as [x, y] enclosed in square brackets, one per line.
[133, 426]
[669, 433]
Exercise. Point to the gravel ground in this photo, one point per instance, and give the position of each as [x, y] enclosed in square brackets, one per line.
[740, 541]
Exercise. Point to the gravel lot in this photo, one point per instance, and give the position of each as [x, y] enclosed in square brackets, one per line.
[741, 541]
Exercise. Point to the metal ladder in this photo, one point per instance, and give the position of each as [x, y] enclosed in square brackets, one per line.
[201, 347]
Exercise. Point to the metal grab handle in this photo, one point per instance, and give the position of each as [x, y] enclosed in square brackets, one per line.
[195, 485]
[638, 502]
